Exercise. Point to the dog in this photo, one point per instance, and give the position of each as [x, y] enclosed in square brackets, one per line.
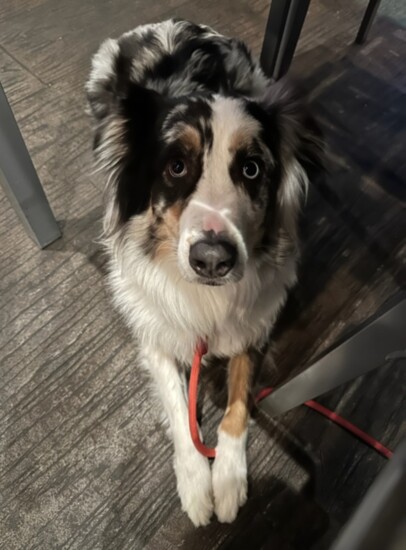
[206, 164]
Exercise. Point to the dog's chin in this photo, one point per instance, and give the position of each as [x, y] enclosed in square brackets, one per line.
[191, 277]
[211, 282]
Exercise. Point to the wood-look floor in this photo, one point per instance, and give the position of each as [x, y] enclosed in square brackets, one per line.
[84, 462]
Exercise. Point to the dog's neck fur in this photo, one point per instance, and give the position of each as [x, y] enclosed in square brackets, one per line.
[171, 314]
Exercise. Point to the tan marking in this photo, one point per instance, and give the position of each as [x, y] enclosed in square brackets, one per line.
[235, 419]
[240, 140]
[168, 231]
[189, 137]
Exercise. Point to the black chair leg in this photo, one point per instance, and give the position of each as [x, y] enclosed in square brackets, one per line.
[283, 28]
[367, 21]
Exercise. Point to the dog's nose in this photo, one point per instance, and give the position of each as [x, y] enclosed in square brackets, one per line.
[212, 258]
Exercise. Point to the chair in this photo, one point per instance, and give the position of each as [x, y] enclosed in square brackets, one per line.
[283, 28]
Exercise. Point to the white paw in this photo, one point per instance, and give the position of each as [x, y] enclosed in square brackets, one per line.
[194, 484]
[229, 477]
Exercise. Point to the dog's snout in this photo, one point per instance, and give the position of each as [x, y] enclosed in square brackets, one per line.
[212, 258]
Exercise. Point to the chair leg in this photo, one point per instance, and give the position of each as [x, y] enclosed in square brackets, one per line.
[20, 181]
[284, 25]
[378, 521]
[377, 342]
[367, 21]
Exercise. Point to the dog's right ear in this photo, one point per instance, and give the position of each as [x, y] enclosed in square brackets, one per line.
[110, 81]
[103, 80]
[125, 116]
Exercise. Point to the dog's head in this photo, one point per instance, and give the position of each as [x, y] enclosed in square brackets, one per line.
[213, 181]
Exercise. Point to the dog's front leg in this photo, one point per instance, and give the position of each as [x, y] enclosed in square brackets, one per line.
[193, 474]
[230, 466]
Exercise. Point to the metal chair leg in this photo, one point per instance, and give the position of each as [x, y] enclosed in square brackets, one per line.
[380, 341]
[367, 21]
[20, 181]
[285, 22]
[379, 522]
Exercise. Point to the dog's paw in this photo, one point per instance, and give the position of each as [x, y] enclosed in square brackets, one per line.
[229, 477]
[194, 485]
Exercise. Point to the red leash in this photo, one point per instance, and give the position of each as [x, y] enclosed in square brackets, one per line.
[201, 350]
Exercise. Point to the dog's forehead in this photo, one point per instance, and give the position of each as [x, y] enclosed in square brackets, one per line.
[199, 123]
[232, 122]
[185, 117]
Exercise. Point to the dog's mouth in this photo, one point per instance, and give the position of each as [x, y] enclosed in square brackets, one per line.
[233, 277]
[212, 282]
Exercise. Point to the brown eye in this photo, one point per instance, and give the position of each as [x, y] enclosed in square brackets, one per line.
[177, 168]
[250, 169]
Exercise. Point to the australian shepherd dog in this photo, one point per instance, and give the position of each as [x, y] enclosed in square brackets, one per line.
[206, 164]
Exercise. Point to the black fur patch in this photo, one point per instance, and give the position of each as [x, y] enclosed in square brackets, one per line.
[142, 181]
[142, 109]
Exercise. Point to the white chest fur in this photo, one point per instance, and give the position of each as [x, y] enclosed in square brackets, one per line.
[170, 314]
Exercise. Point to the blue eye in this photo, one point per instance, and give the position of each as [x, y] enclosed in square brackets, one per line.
[250, 169]
[177, 168]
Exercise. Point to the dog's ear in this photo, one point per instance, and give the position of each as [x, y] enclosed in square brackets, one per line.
[286, 103]
[111, 81]
[101, 87]
[142, 110]
[300, 144]
[125, 116]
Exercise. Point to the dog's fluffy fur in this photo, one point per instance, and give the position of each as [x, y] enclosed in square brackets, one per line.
[197, 145]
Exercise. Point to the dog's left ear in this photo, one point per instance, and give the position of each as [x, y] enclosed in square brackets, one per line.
[298, 138]
[299, 134]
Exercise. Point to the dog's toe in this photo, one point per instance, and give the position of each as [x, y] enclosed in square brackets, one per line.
[229, 478]
[195, 487]
[230, 492]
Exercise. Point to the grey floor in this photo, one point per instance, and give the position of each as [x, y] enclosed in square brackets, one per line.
[84, 461]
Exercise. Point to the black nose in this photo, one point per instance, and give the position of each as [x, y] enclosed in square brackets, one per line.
[212, 258]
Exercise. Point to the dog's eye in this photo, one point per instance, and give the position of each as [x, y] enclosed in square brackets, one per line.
[250, 169]
[177, 168]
